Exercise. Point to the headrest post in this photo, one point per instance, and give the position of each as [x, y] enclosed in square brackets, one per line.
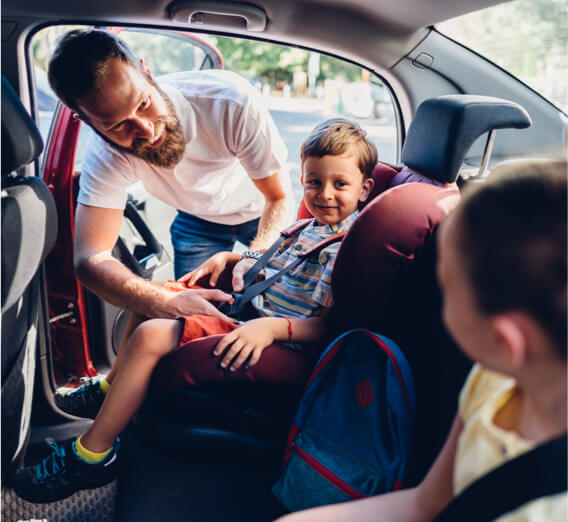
[483, 167]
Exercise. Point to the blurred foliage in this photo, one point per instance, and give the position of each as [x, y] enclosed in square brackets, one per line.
[164, 52]
[277, 63]
[528, 38]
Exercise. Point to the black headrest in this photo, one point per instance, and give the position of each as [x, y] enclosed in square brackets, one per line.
[21, 140]
[444, 128]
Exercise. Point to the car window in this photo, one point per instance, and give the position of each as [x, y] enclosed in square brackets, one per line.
[528, 38]
[167, 51]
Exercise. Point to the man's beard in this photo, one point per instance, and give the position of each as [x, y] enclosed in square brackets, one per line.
[168, 153]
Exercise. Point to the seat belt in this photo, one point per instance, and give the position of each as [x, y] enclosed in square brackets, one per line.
[250, 291]
[538, 473]
[289, 233]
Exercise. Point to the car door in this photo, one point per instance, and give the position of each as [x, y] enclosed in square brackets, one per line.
[81, 325]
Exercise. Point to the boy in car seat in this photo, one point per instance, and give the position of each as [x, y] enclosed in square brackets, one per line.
[337, 165]
[502, 270]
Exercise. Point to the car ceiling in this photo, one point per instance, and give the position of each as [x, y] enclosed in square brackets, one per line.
[385, 30]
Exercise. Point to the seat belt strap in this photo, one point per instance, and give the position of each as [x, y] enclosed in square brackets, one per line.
[291, 231]
[538, 473]
[252, 291]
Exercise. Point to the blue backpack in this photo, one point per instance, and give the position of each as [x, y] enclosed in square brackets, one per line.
[351, 435]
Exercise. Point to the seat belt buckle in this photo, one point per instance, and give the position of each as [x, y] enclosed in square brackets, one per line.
[232, 310]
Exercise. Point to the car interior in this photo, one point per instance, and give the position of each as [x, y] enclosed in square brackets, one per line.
[213, 452]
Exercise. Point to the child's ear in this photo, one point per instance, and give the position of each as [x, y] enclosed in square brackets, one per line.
[302, 179]
[512, 339]
[145, 67]
[366, 189]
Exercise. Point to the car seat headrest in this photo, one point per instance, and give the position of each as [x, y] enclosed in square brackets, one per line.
[21, 140]
[444, 128]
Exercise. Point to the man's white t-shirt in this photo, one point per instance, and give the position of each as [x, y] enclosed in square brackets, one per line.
[230, 139]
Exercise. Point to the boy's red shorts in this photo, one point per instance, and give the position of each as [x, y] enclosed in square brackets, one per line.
[196, 326]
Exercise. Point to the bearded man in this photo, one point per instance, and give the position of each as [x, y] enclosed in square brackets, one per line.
[201, 141]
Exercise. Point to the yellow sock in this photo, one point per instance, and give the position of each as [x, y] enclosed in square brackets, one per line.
[90, 456]
[105, 386]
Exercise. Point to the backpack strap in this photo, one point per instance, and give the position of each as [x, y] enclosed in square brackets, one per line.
[538, 473]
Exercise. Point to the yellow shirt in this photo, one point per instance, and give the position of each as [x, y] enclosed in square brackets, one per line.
[483, 446]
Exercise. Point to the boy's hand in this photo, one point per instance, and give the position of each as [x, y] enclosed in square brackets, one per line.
[246, 342]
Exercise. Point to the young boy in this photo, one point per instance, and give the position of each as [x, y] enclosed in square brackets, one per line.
[503, 272]
[337, 164]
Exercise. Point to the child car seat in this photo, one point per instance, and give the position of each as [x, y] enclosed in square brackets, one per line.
[384, 280]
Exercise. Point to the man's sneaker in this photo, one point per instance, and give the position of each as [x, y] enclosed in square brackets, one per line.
[62, 473]
[85, 401]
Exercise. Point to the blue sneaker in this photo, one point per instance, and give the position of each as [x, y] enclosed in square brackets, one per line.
[63, 473]
[85, 401]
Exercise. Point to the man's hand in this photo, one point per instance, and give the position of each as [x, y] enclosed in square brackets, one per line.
[189, 302]
[247, 342]
[239, 271]
[213, 267]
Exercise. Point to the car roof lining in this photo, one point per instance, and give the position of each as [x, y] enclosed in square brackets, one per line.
[387, 30]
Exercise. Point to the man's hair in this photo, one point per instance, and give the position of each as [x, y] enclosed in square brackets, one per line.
[335, 137]
[512, 240]
[79, 62]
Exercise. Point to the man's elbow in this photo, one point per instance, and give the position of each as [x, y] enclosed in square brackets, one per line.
[82, 266]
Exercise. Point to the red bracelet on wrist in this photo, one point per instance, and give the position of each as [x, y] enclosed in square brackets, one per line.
[289, 329]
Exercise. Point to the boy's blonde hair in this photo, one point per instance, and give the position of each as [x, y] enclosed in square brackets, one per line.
[334, 137]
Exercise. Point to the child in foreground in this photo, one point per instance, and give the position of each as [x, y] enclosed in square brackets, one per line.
[337, 164]
[502, 270]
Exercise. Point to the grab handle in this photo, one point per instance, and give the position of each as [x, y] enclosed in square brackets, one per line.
[224, 14]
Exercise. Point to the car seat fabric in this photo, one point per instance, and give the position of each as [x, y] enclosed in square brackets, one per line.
[258, 403]
[385, 240]
[29, 229]
[27, 205]
[188, 366]
[407, 175]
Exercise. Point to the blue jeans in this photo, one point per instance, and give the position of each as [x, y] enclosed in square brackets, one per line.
[196, 240]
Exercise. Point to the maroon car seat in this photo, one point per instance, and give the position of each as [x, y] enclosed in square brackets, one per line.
[383, 279]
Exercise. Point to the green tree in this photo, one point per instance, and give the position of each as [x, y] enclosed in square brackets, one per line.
[274, 63]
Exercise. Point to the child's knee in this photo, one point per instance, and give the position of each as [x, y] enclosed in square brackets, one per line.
[157, 336]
